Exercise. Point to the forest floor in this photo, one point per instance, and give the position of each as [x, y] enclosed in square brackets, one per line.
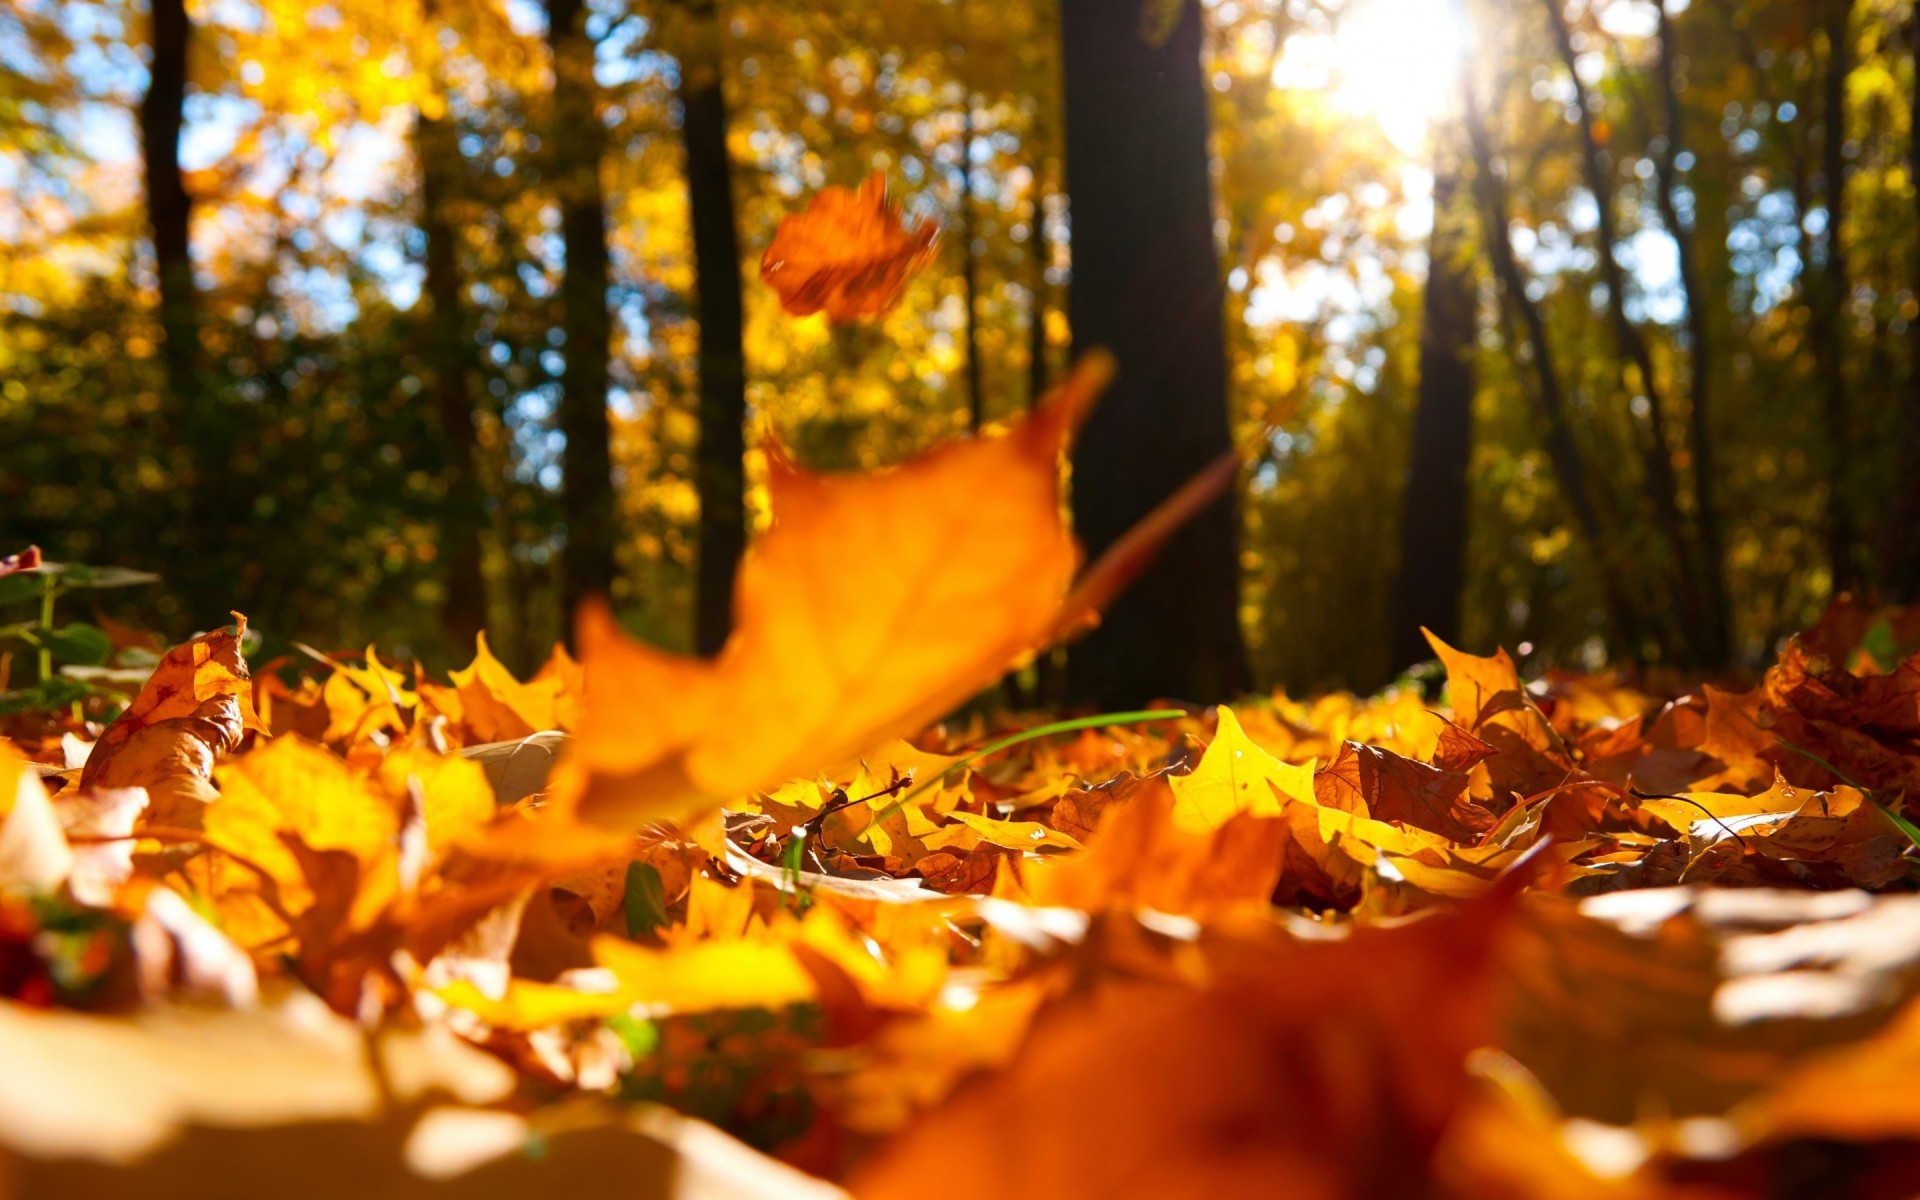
[1582, 935]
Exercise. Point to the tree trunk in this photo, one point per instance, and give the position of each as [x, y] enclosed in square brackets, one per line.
[463, 515]
[1662, 488]
[970, 271]
[1563, 452]
[586, 498]
[169, 207]
[1146, 285]
[1713, 566]
[1828, 330]
[1039, 369]
[1433, 524]
[1903, 525]
[719, 469]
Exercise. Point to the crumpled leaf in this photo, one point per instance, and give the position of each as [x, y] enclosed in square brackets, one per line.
[847, 255]
[1376, 782]
[830, 656]
[1490, 703]
[193, 710]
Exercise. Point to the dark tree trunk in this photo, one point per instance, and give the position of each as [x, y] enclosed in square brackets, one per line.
[463, 515]
[1713, 566]
[1828, 328]
[719, 470]
[1146, 285]
[1433, 523]
[1903, 525]
[586, 498]
[169, 207]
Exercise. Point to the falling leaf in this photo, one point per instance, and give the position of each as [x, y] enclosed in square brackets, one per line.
[829, 656]
[848, 254]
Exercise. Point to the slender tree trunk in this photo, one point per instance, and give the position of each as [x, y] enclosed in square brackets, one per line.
[1662, 488]
[1433, 524]
[1563, 452]
[463, 516]
[1903, 525]
[579, 140]
[1049, 674]
[169, 206]
[719, 468]
[970, 270]
[1147, 286]
[1039, 368]
[1700, 445]
[1828, 329]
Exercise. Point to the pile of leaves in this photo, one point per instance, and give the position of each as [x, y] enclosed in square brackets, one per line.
[1570, 937]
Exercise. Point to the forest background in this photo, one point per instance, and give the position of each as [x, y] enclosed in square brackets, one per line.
[1593, 330]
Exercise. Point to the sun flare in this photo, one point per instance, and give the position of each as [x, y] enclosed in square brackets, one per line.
[1395, 62]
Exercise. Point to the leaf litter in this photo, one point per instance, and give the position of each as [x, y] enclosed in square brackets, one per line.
[1578, 936]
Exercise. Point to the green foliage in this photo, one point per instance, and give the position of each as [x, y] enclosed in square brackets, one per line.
[72, 657]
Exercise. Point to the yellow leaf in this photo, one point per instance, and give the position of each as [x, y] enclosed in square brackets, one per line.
[456, 802]
[1012, 835]
[706, 975]
[497, 707]
[295, 789]
[1236, 776]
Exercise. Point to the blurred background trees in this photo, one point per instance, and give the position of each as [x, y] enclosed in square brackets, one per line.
[1588, 327]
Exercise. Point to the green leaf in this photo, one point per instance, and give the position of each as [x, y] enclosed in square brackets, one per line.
[646, 899]
[22, 586]
[82, 575]
[641, 1038]
[48, 696]
[80, 643]
[1879, 644]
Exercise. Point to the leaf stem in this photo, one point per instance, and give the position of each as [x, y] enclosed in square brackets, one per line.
[47, 593]
[1038, 731]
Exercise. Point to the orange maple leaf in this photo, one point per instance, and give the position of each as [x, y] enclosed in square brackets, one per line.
[852, 624]
[847, 255]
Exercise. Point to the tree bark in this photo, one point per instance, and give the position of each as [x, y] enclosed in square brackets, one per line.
[579, 140]
[1903, 524]
[719, 467]
[1828, 330]
[169, 206]
[463, 514]
[1433, 524]
[1147, 285]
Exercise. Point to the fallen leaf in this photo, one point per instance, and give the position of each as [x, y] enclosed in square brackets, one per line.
[192, 711]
